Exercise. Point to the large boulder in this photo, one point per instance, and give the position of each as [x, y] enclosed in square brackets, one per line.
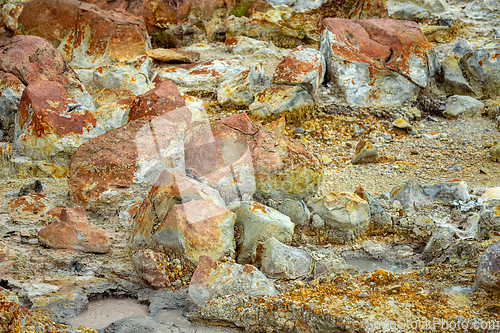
[86, 35]
[73, 231]
[50, 125]
[32, 59]
[375, 62]
[239, 150]
[257, 223]
[213, 279]
[186, 216]
[178, 23]
[11, 89]
[482, 68]
[114, 170]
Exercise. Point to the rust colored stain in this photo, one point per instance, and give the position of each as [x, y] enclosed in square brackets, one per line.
[480, 62]
[247, 269]
[495, 56]
[360, 145]
[231, 41]
[453, 180]
[255, 206]
[33, 203]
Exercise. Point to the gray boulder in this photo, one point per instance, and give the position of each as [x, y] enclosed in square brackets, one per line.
[489, 219]
[488, 269]
[483, 68]
[458, 105]
[296, 210]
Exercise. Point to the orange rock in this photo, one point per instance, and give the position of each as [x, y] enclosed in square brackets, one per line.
[73, 231]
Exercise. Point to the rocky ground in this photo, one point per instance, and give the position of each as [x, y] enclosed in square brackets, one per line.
[392, 176]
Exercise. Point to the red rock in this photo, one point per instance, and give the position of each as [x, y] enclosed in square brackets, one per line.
[188, 21]
[73, 231]
[34, 203]
[160, 100]
[49, 126]
[86, 35]
[107, 173]
[280, 166]
[33, 59]
[304, 66]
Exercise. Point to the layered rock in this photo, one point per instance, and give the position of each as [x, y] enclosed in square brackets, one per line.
[375, 62]
[73, 231]
[50, 125]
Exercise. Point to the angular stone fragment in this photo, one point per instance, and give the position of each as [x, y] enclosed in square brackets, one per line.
[296, 210]
[280, 261]
[50, 125]
[346, 214]
[463, 105]
[365, 152]
[256, 224]
[448, 191]
[213, 279]
[73, 231]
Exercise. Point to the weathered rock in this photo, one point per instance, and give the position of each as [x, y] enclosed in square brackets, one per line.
[114, 170]
[86, 35]
[256, 224]
[246, 46]
[439, 242]
[33, 59]
[448, 191]
[279, 261]
[50, 125]
[375, 62]
[11, 89]
[463, 105]
[160, 100]
[411, 193]
[213, 279]
[293, 102]
[417, 226]
[483, 9]
[488, 224]
[317, 221]
[452, 78]
[33, 203]
[299, 5]
[135, 324]
[296, 210]
[257, 156]
[175, 24]
[346, 214]
[304, 66]
[73, 231]
[173, 55]
[378, 216]
[482, 68]
[105, 96]
[179, 215]
[402, 124]
[33, 187]
[240, 89]
[325, 260]
[491, 194]
[10, 11]
[435, 7]
[131, 75]
[365, 152]
[488, 270]
[202, 77]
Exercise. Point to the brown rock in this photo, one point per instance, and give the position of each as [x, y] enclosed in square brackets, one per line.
[50, 125]
[173, 55]
[187, 21]
[33, 59]
[34, 203]
[86, 35]
[159, 100]
[279, 166]
[107, 173]
[132, 6]
[365, 152]
[73, 231]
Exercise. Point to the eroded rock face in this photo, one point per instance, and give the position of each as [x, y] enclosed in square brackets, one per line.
[375, 62]
[50, 125]
[177, 23]
[114, 170]
[86, 35]
[213, 279]
[482, 67]
[33, 59]
[73, 231]
[238, 148]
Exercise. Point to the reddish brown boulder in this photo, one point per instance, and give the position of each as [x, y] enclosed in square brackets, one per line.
[132, 6]
[50, 125]
[160, 100]
[73, 231]
[109, 173]
[239, 152]
[185, 22]
[34, 203]
[376, 61]
[86, 35]
[33, 59]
